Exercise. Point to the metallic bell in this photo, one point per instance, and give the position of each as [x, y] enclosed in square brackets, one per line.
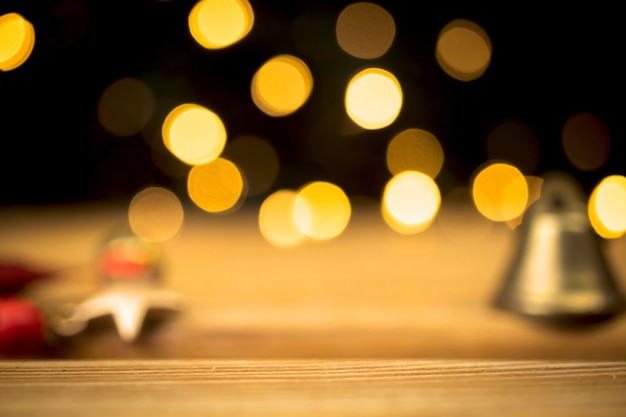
[559, 275]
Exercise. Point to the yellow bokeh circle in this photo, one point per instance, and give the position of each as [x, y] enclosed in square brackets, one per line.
[322, 210]
[281, 85]
[155, 214]
[217, 24]
[410, 202]
[463, 50]
[607, 207]
[277, 222]
[500, 192]
[17, 40]
[217, 186]
[194, 134]
[373, 98]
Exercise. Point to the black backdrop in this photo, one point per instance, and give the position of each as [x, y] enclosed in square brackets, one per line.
[547, 65]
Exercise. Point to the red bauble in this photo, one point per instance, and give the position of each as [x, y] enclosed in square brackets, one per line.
[21, 328]
[14, 277]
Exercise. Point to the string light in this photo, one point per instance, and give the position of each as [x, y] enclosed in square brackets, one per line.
[17, 40]
[374, 98]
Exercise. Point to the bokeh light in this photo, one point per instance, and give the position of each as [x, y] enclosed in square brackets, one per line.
[463, 50]
[216, 24]
[217, 186]
[258, 161]
[534, 192]
[194, 134]
[415, 150]
[411, 201]
[322, 210]
[281, 85]
[607, 207]
[155, 214]
[365, 30]
[125, 106]
[373, 98]
[17, 40]
[500, 192]
[277, 221]
[586, 141]
[152, 134]
[515, 142]
[332, 41]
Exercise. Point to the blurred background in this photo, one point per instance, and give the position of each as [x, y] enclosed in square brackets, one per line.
[546, 65]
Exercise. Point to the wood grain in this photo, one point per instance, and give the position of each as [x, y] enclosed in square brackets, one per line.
[331, 387]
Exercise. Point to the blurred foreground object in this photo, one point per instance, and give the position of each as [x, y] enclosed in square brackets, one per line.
[22, 325]
[15, 276]
[130, 289]
[21, 328]
[559, 275]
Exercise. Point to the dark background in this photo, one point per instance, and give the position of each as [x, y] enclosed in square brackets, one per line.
[547, 64]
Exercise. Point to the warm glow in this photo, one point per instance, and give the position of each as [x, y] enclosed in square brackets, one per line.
[586, 141]
[125, 106]
[281, 86]
[257, 160]
[463, 50]
[216, 24]
[500, 192]
[365, 30]
[194, 134]
[534, 192]
[277, 222]
[410, 202]
[217, 186]
[373, 98]
[415, 150]
[17, 40]
[607, 207]
[322, 210]
[155, 214]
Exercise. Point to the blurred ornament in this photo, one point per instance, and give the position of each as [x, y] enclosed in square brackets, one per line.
[15, 276]
[21, 328]
[130, 289]
[559, 275]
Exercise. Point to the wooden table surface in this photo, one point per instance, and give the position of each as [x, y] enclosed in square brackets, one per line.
[370, 323]
[312, 387]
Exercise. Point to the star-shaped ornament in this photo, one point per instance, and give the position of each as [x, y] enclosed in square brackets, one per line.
[130, 290]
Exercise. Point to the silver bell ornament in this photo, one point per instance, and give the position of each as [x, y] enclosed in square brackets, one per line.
[559, 275]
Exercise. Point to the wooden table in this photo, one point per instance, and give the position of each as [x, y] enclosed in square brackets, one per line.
[312, 387]
[370, 323]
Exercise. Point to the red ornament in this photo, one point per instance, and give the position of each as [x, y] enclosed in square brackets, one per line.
[129, 258]
[21, 328]
[14, 277]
